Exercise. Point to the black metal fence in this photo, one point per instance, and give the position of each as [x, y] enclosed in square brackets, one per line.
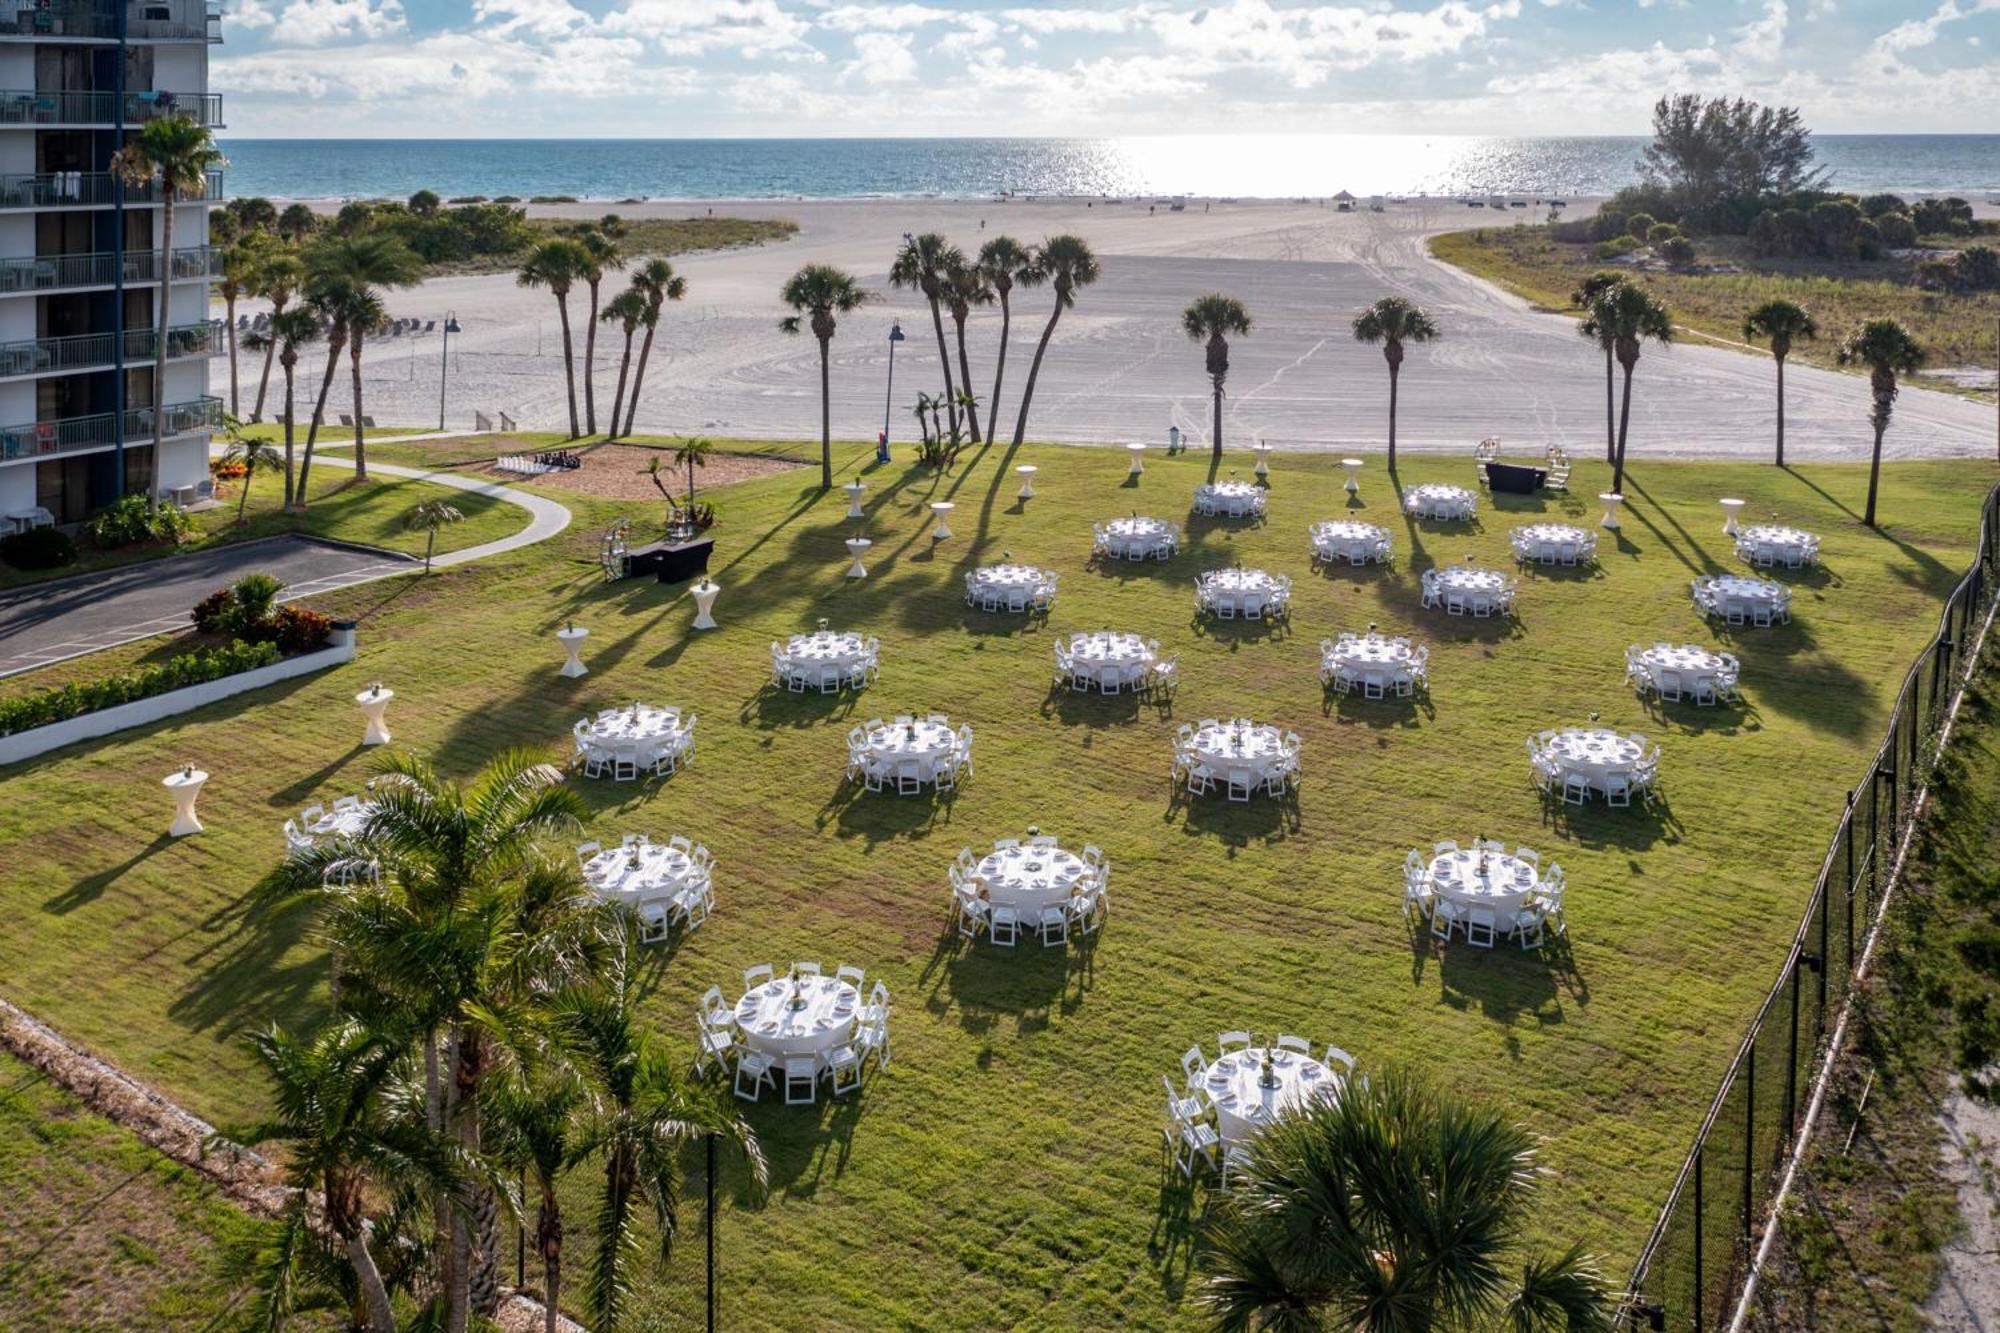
[1695, 1262]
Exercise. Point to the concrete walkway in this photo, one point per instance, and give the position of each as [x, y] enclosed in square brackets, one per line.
[51, 622]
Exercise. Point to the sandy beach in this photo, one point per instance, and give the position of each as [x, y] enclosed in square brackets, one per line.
[1119, 368]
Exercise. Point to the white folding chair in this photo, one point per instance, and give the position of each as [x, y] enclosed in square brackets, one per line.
[1231, 1042]
[753, 977]
[1480, 927]
[801, 1077]
[1003, 926]
[844, 1068]
[1053, 923]
[755, 1067]
[1288, 1042]
[714, 1049]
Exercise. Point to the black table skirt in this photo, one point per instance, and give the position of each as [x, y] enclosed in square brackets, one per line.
[1515, 479]
[669, 563]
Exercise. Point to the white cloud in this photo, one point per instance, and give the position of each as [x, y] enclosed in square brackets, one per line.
[1072, 20]
[1764, 38]
[319, 22]
[252, 14]
[750, 28]
[880, 59]
[881, 18]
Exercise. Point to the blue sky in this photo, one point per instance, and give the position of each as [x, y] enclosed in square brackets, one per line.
[694, 68]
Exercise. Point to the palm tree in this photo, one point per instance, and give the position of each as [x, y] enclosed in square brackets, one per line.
[1003, 260]
[691, 454]
[251, 454]
[324, 303]
[1065, 263]
[556, 264]
[1887, 349]
[656, 277]
[430, 516]
[535, 1123]
[1392, 1208]
[647, 1112]
[922, 263]
[289, 329]
[965, 286]
[338, 1109]
[240, 265]
[1783, 323]
[174, 154]
[297, 223]
[279, 278]
[354, 271]
[601, 254]
[1583, 298]
[818, 293]
[1623, 317]
[1211, 319]
[1392, 321]
[628, 311]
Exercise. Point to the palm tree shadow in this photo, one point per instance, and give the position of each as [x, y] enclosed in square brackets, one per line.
[91, 887]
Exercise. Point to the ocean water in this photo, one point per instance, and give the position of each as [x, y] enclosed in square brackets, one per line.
[1244, 166]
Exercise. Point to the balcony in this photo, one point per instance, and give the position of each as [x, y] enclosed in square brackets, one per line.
[92, 109]
[81, 20]
[95, 351]
[75, 435]
[55, 190]
[62, 272]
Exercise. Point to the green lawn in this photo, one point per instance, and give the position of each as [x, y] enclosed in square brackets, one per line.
[1005, 1170]
[98, 1231]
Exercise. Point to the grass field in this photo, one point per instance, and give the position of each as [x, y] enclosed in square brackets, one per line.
[1005, 1170]
[1955, 329]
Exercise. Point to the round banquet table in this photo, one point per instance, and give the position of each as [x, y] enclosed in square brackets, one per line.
[828, 654]
[644, 728]
[1239, 589]
[1244, 1106]
[1125, 536]
[1345, 539]
[1123, 657]
[346, 823]
[1432, 500]
[768, 1024]
[1689, 661]
[1745, 591]
[1233, 499]
[1595, 754]
[1010, 576]
[1784, 545]
[1505, 887]
[1260, 749]
[1545, 542]
[924, 742]
[1473, 585]
[1372, 652]
[1028, 879]
[661, 870]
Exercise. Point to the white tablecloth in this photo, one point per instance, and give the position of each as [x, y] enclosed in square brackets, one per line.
[1127, 537]
[1028, 879]
[1744, 592]
[1244, 1106]
[1024, 582]
[1432, 500]
[1345, 539]
[1595, 753]
[342, 823]
[1258, 749]
[1505, 887]
[661, 872]
[1239, 589]
[1688, 661]
[1774, 544]
[1235, 499]
[649, 730]
[1374, 653]
[924, 742]
[1549, 543]
[1475, 587]
[1120, 657]
[829, 654]
[767, 1023]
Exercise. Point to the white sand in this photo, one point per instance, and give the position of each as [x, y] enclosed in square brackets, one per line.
[1119, 367]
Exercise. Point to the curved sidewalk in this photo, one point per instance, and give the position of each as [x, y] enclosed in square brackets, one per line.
[547, 517]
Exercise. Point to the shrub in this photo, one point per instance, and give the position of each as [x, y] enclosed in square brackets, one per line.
[1836, 227]
[1611, 249]
[127, 522]
[80, 697]
[1879, 206]
[1942, 217]
[1607, 223]
[1867, 240]
[209, 611]
[552, 199]
[1638, 224]
[296, 629]
[1661, 232]
[38, 548]
[255, 595]
[1677, 250]
[1896, 231]
[228, 469]
[242, 609]
[1978, 268]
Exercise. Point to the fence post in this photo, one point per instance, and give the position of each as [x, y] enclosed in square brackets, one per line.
[1825, 966]
[1846, 836]
[521, 1237]
[1700, 1281]
[1749, 1136]
[711, 1233]
[1792, 1060]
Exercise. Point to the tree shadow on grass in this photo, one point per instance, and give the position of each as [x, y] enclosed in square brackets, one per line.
[312, 782]
[252, 969]
[1680, 543]
[90, 888]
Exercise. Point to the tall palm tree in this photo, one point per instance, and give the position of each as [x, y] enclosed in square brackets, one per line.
[1392, 321]
[1003, 260]
[691, 454]
[601, 255]
[174, 155]
[297, 223]
[1065, 263]
[656, 277]
[922, 263]
[325, 303]
[289, 330]
[628, 311]
[241, 262]
[251, 454]
[647, 1111]
[1392, 1208]
[355, 270]
[1783, 323]
[536, 1123]
[1887, 349]
[1583, 298]
[556, 264]
[279, 278]
[1211, 319]
[965, 286]
[430, 516]
[819, 293]
[1623, 317]
[340, 1113]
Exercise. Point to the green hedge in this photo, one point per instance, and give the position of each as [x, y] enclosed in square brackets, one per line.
[80, 697]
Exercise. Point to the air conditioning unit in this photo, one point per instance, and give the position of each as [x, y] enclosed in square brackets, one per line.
[159, 13]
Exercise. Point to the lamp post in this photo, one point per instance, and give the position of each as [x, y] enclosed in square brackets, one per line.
[444, 361]
[888, 393]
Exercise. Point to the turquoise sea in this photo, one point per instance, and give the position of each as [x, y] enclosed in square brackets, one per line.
[1246, 166]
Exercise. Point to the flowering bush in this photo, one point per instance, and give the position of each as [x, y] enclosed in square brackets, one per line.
[80, 697]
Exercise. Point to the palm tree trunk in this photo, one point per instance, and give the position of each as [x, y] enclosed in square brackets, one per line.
[270, 351]
[590, 364]
[484, 1292]
[160, 344]
[229, 331]
[1034, 370]
[1395, 374]
[1215, 431]
[1781, 411]
[825, 418]
[249, 475]
[944, 363]
[1610, 434]
[381, 1316]
[1624, 421]
[549, 1239]
[569, 360]
[639, 373]
[965, 379]
[288, 437]
[618, 402]
[999, 369]
[1874, 470]
[360, 436]
[333, 350]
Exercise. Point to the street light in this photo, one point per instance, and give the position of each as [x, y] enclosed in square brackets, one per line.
[444, 364]
[889, 393]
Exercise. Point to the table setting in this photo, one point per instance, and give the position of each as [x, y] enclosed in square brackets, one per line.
[1738, 598]
[1351, 541]
[1241, 754]
[1434, 500]
[1769, 545]
[1252, 1088]
[1378, 663]
[826, 659]
[1010, 587]
[653, 734]
[1137, 538]
[1229, 499]
[1671, 671]
[1552, 543]
[1110, 660]
[1467, 588]
[799, 1015]
[1250, 593]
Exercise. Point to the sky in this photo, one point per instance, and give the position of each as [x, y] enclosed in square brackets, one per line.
[782, 68]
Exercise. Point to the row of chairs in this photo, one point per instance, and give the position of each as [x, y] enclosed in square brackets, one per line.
[1277, 605]
[298, 831]
[908, 775]
[1084, 913]
[1457, 601]
[1555, 781]
[797, 1076]
[1375, 682]
[1570, 551]
[627, 762]
[989, 596]
[1159, 676]
[1771, 555]
[1481, 926]
[800, 674]
[1209, 505]
[1671, 687]
[1377, 550]
[1761, 612]
[1102, 542]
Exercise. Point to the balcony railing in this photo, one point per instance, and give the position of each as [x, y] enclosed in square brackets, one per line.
[72, 107]
[47, 439]
[52, 272]
[184, 21]
[37, 356]
[90, 189]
